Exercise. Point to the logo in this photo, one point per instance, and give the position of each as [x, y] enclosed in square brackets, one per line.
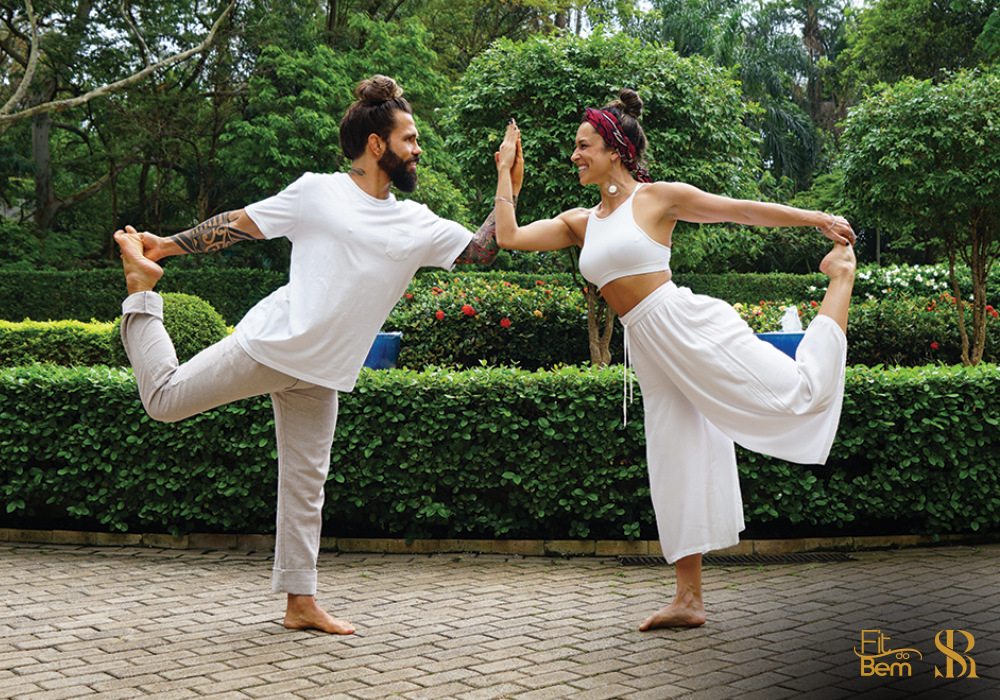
[898, 667]
[948, 649]
[877, 660]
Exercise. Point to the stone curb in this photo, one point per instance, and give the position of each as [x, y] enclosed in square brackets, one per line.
[526, 548]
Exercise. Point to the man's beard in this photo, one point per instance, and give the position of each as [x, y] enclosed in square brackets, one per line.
[398, 170]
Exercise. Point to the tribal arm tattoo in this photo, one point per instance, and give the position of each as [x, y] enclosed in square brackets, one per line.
[483, 248]
[211, 235]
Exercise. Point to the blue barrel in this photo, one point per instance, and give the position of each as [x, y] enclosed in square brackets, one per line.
[786, 342]
[384, 353]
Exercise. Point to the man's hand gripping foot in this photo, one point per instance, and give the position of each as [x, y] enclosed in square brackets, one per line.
[141, 274]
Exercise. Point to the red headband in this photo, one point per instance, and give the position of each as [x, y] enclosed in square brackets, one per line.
[610, 129]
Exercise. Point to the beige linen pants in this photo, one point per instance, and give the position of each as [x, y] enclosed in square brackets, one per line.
[305, 416]
[708, 381]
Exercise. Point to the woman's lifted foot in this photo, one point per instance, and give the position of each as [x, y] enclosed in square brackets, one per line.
[839, 262]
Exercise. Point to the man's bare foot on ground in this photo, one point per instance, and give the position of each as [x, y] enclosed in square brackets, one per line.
[839, 261]
[303, 613]
[141, 274]
[675, 615]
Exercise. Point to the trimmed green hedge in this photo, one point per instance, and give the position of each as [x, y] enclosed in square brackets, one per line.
[485, 453]
[191, 322]
[97, 294]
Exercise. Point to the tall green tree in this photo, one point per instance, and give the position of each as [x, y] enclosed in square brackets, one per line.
[921, 162]
[777, 50]
[66, 55]
[924, 39]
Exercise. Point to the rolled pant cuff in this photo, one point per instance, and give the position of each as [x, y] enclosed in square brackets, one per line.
[294, 581]
[143, 303]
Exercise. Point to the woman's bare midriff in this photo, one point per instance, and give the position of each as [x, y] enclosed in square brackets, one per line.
[625, 293]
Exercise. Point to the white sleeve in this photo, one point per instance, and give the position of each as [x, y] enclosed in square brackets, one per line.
[278, 216]
[448, 238]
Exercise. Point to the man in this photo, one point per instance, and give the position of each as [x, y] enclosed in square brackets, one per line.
[355, 248]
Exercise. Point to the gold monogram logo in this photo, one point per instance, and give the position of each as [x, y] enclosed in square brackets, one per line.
[948, 649]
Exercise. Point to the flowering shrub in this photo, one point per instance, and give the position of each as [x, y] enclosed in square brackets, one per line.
[908, 332]
[873, 282]
[469, 320]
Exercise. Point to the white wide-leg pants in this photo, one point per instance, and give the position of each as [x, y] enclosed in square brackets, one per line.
[707, 381]
[305, 416]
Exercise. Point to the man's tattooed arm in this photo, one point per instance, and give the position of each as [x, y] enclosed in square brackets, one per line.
[212, 235]
[483, 247]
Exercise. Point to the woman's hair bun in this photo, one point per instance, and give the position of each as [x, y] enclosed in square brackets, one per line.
[378, 88]
[631, 102]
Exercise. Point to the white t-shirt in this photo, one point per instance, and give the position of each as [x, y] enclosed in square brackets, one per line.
[352, 257]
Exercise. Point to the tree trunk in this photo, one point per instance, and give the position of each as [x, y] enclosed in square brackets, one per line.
[45, 205]
[959, 304]
[600, 326]
[600, 316]
[981, 255]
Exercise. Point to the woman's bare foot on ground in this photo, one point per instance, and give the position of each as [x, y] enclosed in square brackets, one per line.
[839, 261]
[141, 274]
[676, 615]
[303, 613]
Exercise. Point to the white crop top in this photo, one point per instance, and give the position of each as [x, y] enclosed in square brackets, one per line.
[615, 247]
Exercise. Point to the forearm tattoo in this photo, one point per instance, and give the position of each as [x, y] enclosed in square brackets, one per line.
[211, 235]
[483, 247]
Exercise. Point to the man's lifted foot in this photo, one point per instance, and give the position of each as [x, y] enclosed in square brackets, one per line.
[141, 274]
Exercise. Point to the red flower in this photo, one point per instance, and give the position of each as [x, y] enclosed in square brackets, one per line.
[814, 304]
[436, 290]
[468, 310]
[439, 315]
[408, 296]
[934, 346]
[540, 283]
[505, 323]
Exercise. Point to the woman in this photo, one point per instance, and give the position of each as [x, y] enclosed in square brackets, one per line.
[706, 380]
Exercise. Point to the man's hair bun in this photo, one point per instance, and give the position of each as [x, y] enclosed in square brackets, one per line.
[378, 88]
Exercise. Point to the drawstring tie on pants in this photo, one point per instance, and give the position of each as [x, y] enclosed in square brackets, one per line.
[626, 381]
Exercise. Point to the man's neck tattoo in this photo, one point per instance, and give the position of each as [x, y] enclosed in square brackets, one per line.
[358, 171]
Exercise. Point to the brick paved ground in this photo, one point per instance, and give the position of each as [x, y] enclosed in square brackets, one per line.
[127, 622]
